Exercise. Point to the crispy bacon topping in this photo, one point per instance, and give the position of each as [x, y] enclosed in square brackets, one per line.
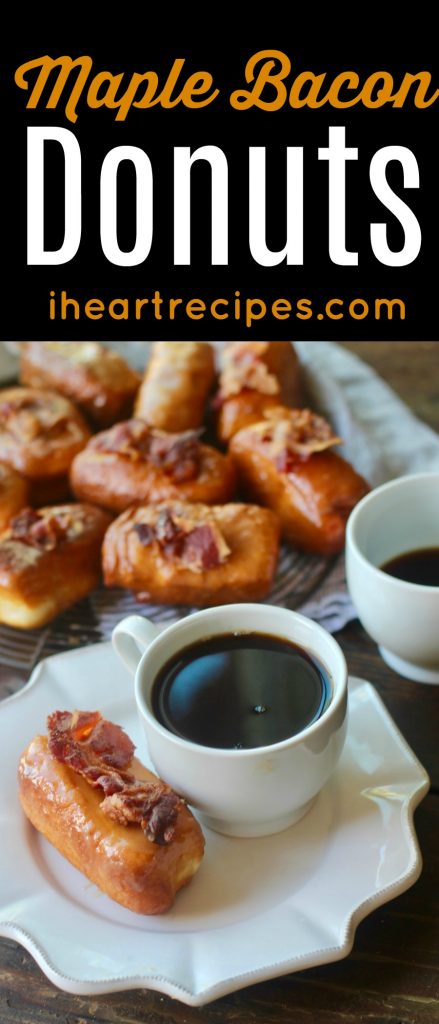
[242, 369]
[293, 435]
[82, 739]
[147, 804]
[201, 547]
[183, 537]
[178, 455]
[130, 438]
[101, 752]
[37, 530]
[46, 528]
[27, 417]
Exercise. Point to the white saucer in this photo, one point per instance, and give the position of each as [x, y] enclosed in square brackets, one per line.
[257, 908]
[417, 673]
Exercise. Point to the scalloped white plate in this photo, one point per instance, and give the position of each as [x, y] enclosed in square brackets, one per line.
[257, 908]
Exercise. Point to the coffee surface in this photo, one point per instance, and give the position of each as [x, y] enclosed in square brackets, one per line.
[240, 691]
[421, 566]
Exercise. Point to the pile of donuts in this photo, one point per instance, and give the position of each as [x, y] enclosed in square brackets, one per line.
[105, 474]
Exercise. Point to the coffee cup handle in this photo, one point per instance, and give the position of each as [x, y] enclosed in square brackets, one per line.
[130, 639]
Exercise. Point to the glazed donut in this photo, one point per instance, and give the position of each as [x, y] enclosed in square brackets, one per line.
[134, 463]
[177, 381]
[109, 816]
[40, 433]
[285, 462]
[178, 553]
[94, 377]
[49, 559]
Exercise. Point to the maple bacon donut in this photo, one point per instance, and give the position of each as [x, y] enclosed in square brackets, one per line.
[49, 558]
[97, 379]
[285, 463]
[176, 385]
[40, 433]
[115, 821]
[134, 463]
[193, 554]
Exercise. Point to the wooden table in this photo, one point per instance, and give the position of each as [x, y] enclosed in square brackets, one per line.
[392, 975]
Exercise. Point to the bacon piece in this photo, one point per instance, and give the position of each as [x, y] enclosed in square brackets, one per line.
[201, 547]
[148, 805]
[39, 531]
[160, 826]
[23, 522]
[111, 782]
[44, 529]
[86, 737]
[178, 455]
[167, 530]
[293, 435]
[101, 752]
[244, 369]
[169, 536]
[134, 803]
[111, 744]
[82, 723]
[197, 545]
[131, 438]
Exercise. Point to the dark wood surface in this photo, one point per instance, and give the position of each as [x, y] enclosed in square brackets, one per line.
[392, 974]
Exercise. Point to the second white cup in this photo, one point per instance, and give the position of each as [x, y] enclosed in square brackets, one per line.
[402, 617]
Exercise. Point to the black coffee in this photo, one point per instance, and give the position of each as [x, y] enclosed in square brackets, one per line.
[248, 690]
[421, 566]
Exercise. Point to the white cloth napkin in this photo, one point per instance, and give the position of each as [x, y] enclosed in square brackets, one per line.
[383, 440]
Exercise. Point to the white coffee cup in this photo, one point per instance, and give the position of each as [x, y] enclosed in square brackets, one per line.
[250, 792]
[402, 617]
